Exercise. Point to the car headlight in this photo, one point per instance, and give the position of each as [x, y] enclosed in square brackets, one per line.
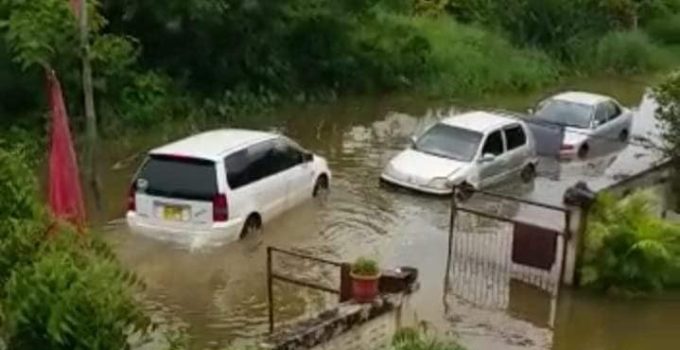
[389, 169]
[439, 182]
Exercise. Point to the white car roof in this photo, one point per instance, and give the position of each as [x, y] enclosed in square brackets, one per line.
[214, 144]
[479, 121]
[585, 98]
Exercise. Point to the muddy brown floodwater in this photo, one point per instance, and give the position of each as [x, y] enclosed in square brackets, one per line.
[218, 293]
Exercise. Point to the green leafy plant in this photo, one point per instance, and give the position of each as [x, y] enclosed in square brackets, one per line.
[365, 267]
[627, 247]
[59, 289]
[74, 295]
[667, 95]
[419, 339]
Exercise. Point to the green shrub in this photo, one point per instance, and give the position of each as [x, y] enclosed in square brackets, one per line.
[627, 52]
[365, 267]
[21, 228]
[74, 295]
[146, 101]
[628, 248]
[416, 339]
[665, 29]
[389, 54]
[464, 60]
[58, 289]
[667, 95]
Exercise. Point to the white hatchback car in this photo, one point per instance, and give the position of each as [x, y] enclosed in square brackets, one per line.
[223, 184]
[477, 149]
[590, 120]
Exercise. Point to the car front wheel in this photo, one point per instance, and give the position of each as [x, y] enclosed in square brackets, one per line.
[528, 173]
[321, 186]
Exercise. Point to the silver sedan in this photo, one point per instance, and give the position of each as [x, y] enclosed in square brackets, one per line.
[590, 121]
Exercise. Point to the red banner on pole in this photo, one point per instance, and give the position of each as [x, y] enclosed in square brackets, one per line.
[65, 194]
[75, 6]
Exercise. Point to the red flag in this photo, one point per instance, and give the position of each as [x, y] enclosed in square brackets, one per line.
[66, 199]
[75, 6]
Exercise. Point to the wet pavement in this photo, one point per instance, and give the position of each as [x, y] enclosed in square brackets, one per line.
[219, 292]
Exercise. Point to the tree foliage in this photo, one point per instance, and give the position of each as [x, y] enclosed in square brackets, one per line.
[175, 58]
[667, 95]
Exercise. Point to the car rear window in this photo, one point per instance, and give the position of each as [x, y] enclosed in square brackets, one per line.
[176, 177]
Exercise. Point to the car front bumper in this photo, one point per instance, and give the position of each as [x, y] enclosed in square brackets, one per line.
[415, 187]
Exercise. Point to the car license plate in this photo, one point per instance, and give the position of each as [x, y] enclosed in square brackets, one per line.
[172, 212]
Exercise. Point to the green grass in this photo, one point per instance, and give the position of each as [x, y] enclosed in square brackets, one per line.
[627, 53]
[467, 60]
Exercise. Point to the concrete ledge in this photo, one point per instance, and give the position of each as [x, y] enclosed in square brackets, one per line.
[330, 324]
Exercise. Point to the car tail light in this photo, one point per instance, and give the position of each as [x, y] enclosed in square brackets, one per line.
[566, 147]
[220, 208]
[131, 201]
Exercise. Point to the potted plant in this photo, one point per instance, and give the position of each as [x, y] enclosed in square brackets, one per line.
[365, 276]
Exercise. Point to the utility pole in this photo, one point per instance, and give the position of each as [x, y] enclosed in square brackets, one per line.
[90, 112]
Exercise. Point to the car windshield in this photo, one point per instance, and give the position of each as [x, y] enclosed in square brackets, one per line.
[565, 113]
[449, 142]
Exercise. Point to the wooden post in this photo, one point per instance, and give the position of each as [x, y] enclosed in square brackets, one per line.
[577, 228]
[270, 291]
[345, 282]
[449, 255]
[90, 112]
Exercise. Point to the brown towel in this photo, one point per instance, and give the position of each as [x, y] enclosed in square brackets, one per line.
[534, 246]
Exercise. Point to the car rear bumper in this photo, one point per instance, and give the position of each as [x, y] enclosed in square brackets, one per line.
[216, 234]
[414, 187]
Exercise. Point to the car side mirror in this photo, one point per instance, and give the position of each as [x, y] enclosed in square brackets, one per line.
[307, 157]
[487, 158]
[597, 123]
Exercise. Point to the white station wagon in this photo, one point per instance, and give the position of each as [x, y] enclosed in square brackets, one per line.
[478, 149]
[223, 184]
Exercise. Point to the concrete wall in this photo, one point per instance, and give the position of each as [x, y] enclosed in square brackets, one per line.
[372, 335]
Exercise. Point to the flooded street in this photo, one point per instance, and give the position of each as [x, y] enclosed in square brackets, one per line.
[219, 293]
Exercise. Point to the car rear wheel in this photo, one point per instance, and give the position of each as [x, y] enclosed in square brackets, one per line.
[252, 226]
[583, 151]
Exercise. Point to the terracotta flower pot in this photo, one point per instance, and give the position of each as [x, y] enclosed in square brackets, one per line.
[365, 288]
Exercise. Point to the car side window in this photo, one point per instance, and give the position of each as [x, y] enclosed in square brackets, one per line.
[613, 110]
[493, 144]
[236, 166]
[250, 165]
[515, 137]
[601, 114]
[285, 155]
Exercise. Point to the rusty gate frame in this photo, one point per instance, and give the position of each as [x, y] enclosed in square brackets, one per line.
[344, 292]
[458, 189]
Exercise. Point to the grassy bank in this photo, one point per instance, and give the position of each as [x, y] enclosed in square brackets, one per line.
[464, 60]
[192, 60]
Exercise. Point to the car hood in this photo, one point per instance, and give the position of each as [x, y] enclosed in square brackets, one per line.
[422, 167]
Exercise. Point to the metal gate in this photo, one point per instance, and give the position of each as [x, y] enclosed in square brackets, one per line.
[496, 240]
